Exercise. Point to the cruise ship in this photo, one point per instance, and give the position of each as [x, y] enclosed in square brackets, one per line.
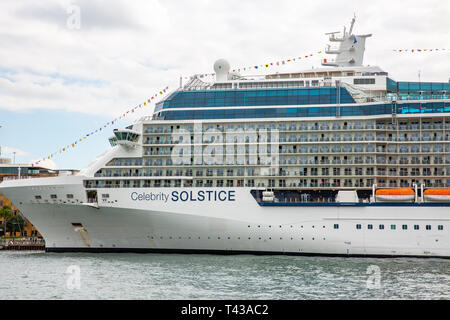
[338, 160]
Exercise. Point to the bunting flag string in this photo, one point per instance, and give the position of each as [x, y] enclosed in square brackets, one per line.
[420, 50]
[204, 75]
[260, 66]
[300, 58]
[87, 135]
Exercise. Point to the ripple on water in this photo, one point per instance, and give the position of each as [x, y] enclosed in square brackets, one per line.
[39, 275]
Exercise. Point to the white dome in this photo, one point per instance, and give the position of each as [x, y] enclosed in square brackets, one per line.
[221, 68]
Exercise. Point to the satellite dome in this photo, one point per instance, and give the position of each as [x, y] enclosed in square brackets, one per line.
[221, 68]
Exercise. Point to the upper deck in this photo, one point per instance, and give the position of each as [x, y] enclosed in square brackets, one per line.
[342, 87]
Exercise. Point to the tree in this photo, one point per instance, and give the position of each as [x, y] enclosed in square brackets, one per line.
[5, 212]
[16, 223]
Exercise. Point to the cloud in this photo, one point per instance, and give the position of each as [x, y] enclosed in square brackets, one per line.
[10, 151]
[47, 163]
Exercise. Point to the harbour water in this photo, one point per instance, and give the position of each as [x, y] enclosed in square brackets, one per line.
[39, 275]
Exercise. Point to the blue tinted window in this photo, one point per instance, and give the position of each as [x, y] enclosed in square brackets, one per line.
[260, 97]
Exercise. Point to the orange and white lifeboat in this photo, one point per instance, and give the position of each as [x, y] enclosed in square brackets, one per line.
[397, 195]
[436, 195]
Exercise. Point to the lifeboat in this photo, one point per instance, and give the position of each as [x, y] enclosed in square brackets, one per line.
[436, 195]
[268, 196]
[395, 195]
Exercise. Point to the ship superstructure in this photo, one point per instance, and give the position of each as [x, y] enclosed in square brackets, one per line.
[339, 160]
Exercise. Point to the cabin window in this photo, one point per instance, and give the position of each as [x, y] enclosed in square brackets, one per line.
[69, 196]
[370, 226]
[336, 226]
[416, 227]
[38, 197]
[381, 226]
[440, 227]
[53, 196]
[405, 227]
[428, 227]
[358, 226]
[393, 226]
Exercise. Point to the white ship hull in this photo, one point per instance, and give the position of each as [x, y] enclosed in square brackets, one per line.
[230, 221]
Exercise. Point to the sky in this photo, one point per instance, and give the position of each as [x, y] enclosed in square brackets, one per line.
[69, 67]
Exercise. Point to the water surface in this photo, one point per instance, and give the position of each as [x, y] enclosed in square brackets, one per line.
[39, 275]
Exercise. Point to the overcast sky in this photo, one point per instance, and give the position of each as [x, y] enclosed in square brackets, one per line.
[60, 75]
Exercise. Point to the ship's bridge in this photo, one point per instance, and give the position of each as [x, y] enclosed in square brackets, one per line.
[124, 137]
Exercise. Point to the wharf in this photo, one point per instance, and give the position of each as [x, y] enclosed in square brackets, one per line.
[22, 244]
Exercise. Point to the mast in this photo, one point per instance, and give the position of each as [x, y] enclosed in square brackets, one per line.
[350, 50]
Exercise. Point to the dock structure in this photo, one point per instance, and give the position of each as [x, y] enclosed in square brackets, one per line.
[22, 244]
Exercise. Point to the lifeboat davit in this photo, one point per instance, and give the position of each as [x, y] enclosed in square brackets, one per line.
[397, 195]
[436, 195]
